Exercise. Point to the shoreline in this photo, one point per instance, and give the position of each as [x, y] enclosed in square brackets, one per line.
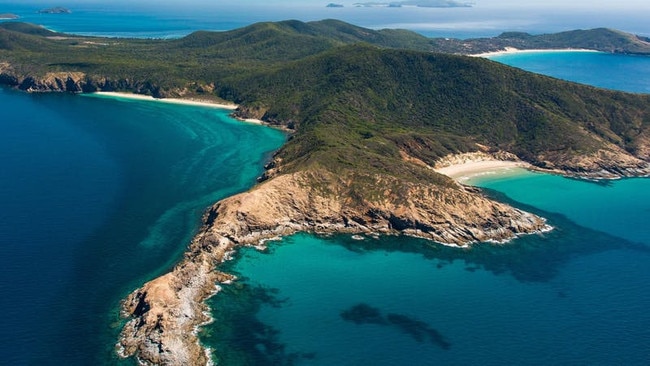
[163, 312]
[513, 51]
[193, 102]
[465, 171]
[177, 101]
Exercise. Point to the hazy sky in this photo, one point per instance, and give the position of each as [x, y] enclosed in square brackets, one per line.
[515, 4]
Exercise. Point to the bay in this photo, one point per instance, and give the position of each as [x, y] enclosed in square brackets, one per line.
[575, 295]
[605, 70]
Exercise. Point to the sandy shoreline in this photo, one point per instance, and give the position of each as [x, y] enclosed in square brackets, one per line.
[168, 100]
[465, 171]
[193, 102]
[512, 50]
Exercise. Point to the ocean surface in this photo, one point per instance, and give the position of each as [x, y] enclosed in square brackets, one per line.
[98, 195]
[172, 19]
[605, 70]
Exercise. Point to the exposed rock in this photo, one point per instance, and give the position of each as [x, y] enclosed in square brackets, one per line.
[166, 311]
[609, 163]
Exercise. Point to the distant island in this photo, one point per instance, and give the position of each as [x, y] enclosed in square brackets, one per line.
[8, 16]
[374, 117]
[333, 5]
[55, 10]
[415, 3]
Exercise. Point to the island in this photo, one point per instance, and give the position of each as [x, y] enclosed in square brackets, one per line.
[415, 3]
[55, 10]
[6, 16]
[375, 117]
[334, 5]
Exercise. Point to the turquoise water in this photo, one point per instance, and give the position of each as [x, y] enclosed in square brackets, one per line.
[576, 295]
[99, 195]
[611, 71]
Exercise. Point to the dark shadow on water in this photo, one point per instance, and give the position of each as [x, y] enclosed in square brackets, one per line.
[529, 258]
[363, 314]
[417, 329]
[237, 335]
[239, 338]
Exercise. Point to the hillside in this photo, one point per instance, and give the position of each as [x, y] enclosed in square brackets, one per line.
[599, 39]
[371, 113]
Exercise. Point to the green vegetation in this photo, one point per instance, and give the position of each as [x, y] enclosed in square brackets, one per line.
[600, 39]
[360, 100]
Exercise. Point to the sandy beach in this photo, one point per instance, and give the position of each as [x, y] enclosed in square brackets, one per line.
[465, 171]
[200, 103]
[512, 50]
[169, 100]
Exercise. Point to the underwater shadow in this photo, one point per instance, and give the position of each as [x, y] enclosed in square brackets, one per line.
[529, 258]
[418, 330]
[238, 336]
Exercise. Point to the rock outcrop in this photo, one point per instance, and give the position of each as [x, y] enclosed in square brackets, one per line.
[79, 82]
[166, 311]
[610, 163]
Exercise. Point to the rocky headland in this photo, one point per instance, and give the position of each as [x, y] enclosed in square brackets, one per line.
[165, 312]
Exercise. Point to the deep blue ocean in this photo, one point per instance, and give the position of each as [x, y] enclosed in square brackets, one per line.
[98, 195]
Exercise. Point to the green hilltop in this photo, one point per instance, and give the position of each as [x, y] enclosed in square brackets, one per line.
[360, 99]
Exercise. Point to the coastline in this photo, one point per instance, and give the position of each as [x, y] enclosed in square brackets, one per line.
[193, 102]
[179, 101]
[163, 313]
[463, 172]
[512, 51]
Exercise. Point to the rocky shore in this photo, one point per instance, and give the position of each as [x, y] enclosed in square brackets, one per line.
[165, 312]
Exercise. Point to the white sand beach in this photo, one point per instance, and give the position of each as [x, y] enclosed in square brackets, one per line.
[512, 50]
[194, 102]
[472, 169]
[202, 103]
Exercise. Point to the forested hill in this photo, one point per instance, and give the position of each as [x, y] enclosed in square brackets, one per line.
[360, 101]
[600, 39]
[358, 98]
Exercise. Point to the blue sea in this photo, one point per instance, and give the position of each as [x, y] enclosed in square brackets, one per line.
[98, 195]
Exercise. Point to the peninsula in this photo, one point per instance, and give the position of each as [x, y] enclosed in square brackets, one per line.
[374, 115]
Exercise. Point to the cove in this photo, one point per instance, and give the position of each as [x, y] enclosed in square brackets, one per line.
[554, 298]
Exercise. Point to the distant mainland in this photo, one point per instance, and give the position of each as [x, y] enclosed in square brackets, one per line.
[376, 118]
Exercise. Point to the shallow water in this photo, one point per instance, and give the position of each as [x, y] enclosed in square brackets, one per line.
[554, 298]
